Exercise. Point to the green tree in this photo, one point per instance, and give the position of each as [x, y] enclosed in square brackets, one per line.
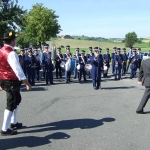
[41, 25]
[11, 16]
[130, 39]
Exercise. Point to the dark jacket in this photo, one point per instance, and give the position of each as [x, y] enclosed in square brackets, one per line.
[144, 74]
[97, 66]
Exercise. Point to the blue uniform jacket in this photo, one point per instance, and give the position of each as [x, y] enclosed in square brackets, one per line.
[65, 57]
[89, 56]
[134, 62]
[77, 58]
[118, 61]
[30, 61]
[82, 64]
[58, 61]
[46, 61]
[97, 66]
[38, 62]
[112, 57]
[107, 59]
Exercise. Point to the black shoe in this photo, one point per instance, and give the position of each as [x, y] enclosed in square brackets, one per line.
[140, 112]
[52, 83]
[95, 88]
[16, 126]
[8, 132]
[74, 77]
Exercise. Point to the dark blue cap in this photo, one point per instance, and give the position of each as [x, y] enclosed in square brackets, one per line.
[82, 51]
[67, 47]
[46, 45]
[123, 49]
[90, 48]
[22, 48]
[134, 50]
[58, 49]
[114, 48]
[77, 49]
[118, 49]
[107, 49]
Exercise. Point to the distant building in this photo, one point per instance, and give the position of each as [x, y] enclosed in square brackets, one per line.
[119, 40]
[66, 37]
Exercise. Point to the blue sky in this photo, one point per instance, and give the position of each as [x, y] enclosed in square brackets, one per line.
[99, 18]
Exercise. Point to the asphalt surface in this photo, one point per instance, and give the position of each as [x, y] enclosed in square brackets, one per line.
[74, 116]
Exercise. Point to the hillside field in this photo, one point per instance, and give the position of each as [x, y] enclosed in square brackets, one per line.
[84, 44]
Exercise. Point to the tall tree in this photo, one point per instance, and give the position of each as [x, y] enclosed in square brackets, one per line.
[41, 25]
[130, 39]
[11, 16]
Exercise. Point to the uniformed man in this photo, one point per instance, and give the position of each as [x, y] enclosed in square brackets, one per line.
[89, 57]
[47, 65]
[82, 62]
[129, 54]
[76, 56]
[11, 75]
[133, 64]
[112, 58]
[118, 64]
[140, 58]
[97, 67]
[22, 59]
[67, 52]
[38, 63]
[58, 59]
[30, 66]
[107, 60]
[67, 71]
[124, 63]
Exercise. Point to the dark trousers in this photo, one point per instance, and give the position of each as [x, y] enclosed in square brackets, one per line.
[139, 63]
[31, 75]
[58, 71]
[124, 70]
[113, 67]
[48, 76]
[76, 73]
[117, 73]
[144, 100]
[96, 84]
[82, 71]
[67, 75]
[38, 74]
[133, 73]
[12, 89]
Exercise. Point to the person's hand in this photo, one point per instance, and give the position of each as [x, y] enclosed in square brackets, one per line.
[1, 88]
[32, 66]
[28, 87]
[139, 82]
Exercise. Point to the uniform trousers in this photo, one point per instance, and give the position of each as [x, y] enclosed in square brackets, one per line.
[144, 100]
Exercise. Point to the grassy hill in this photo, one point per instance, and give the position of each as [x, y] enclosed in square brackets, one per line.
[84, 44]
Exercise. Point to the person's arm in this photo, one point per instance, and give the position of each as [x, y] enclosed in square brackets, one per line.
[141, 74]
[13, 61]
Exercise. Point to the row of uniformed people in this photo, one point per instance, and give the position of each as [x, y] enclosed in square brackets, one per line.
[32, 64]
[120, 61]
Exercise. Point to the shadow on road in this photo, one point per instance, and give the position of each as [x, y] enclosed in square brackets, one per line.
[30, 141]
[119, 87]
[69, 124]
[34, 89]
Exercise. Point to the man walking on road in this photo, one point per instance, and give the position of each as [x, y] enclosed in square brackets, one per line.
[11, 75]
[144, 79]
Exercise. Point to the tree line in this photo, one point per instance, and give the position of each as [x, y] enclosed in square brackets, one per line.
[33, 27]
[38, 25]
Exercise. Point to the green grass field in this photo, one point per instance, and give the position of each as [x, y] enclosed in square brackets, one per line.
[84, 44]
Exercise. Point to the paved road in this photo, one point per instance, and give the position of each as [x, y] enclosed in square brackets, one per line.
[76, 117]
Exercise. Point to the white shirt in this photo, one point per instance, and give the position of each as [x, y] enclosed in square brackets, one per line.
[13, 61]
